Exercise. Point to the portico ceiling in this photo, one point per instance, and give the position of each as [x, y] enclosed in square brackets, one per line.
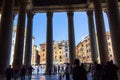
[57, 5]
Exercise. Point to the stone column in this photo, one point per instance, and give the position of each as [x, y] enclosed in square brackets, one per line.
[28, 46]
[6, 28]
[114, 23]
[49, 45]
[19, 44]
[92, 34]
[71, 36]
[101, 33]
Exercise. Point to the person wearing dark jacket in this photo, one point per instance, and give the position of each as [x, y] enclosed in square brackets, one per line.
[9, 73]
[23, 72]
[77, 71]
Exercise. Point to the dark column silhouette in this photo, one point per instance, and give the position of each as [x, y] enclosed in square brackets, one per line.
[49, 47]
[6, 27]
[92, 34]
[114, 22]
[28, 46]
[101, 33]
[19, 44]
[71, 36]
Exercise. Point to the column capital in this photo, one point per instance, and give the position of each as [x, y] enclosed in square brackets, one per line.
[70, 13]
[49, 14]
[30, 13]
[90, 12]
[106, 11]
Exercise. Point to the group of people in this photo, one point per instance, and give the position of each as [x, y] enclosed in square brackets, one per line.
[77, 70]
[102, 71]
[15, 73]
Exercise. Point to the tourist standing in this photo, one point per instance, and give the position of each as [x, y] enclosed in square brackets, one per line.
[23, 73]
[30, 70]
[67, 71]
[9, 73]
[77, 70]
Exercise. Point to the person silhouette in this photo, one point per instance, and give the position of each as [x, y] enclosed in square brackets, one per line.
[9, 73]
[78, 71]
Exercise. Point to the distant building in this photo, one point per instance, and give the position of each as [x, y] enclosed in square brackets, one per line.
[83, 49]
[60, 52]
[35, 54]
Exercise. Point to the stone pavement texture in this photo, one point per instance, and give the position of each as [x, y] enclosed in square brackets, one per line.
[52, 77]
[47, 77]
[41, 76]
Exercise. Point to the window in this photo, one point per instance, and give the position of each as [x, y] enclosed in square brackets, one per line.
[87, 51]
[43, 50]
[60, 57]
[66, 50]
[82, 45]
[55, 57]
[43, 59]
[60, 60]
[66, 55]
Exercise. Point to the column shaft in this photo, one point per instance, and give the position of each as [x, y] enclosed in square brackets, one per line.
[93, 43]
[28, 46]
[49, 40]
[101, 33]
[71, 36]
[19, 44]
[114, 22]
[6, 27]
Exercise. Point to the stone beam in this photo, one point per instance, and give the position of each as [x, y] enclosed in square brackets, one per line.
[60, 8]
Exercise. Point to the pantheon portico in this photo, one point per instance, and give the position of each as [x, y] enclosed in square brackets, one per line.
[9, 8]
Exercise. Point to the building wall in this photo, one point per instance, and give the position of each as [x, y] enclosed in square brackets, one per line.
[35, 53]
[83, 49]
[42, 53]
[59, 52]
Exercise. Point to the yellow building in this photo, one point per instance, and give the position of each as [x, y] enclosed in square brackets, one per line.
[110, 50]
[42, 53]
[60, 52]
[83, 50]
[35, 53]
